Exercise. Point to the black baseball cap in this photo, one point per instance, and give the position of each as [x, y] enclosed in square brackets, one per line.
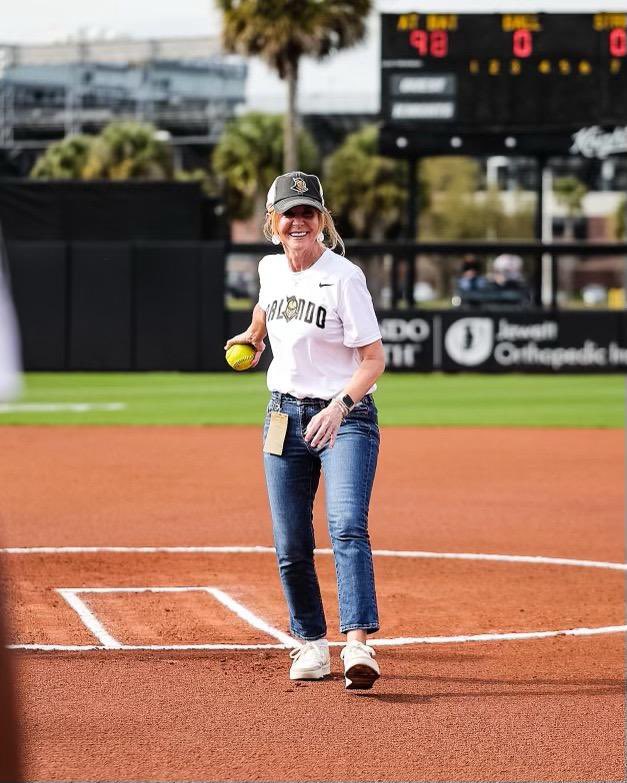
[294, 189]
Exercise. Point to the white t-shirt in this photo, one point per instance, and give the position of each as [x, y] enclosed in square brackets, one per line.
[316, 319]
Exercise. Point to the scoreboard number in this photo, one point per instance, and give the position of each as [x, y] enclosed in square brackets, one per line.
[618, 42]
[522, 43]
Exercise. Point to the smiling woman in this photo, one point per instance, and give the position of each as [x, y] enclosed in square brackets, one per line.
[282, 223]
[316, 309]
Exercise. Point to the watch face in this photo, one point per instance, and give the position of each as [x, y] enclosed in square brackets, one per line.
[348, 401]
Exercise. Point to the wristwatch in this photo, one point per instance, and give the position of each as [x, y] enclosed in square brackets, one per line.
[348, 401]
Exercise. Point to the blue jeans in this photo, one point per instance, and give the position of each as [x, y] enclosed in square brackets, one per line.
[292, 481]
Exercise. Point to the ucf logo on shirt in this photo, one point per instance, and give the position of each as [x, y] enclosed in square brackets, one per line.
[293, 309]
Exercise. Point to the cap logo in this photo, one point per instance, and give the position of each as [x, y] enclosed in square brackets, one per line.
[299, 185]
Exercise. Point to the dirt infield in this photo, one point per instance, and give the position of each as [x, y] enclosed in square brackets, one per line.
[496, 708]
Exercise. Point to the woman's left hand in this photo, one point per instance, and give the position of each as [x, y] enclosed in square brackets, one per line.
[323, 427]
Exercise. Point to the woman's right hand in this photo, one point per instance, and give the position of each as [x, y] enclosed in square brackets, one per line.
[248, 338]
[253, 335]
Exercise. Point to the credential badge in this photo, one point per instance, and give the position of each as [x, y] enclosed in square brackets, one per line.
[291, 308]
[300, 186]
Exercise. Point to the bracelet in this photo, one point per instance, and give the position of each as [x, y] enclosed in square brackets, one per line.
[343, 407]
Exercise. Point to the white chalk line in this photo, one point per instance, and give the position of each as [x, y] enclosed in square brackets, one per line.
[394, 642]
[110, 643]
[199, 550]
[252, 619]
[140, 647]
[60, 407]
[89, 619]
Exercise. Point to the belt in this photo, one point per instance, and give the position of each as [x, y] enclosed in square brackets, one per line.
[278, 397]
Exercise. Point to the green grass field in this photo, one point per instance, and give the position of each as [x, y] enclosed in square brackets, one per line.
[230, 398]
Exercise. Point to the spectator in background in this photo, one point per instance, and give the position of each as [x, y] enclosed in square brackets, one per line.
[507, 275]
[507, 269]
[471, 277]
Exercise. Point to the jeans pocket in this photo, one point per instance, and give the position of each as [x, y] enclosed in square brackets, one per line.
[363, 410]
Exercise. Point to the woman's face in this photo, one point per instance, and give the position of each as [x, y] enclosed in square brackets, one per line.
[299, 227]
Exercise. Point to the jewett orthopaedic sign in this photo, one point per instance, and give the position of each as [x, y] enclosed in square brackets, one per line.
[509, 344]
[506, 341]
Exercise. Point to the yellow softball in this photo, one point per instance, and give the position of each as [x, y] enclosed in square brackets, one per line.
[240, 356]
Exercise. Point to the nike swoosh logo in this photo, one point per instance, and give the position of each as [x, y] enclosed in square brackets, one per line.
[323, 284]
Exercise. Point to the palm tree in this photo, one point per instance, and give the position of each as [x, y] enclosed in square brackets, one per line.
[122, 150]
[129, 150]
[248, 158]
[283, 31]
[64, 159]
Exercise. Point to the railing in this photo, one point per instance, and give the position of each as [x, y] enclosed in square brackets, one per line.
[396, 269]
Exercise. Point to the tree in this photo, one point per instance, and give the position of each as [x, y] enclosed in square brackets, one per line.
[451, 182]
[122, 150]
[458, 208]
[63, 159]
[366, 192]
[283, 31]
[248, 157]
[129, 150]
[569, 192]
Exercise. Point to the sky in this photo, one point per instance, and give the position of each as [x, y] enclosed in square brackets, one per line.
[350, 76]
[44, 21]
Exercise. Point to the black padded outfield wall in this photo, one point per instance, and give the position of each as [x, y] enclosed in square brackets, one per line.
[212, 314]
[32, 210]
[119, 305]
[178, 306]
[100, 310]
[167, 307]
[39, 283]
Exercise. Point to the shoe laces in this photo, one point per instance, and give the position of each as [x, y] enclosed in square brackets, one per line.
[308, 647]
[355, 645]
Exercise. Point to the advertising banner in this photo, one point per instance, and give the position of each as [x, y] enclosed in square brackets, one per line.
[505, 341]
[407, 340]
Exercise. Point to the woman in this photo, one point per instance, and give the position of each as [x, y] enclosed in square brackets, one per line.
[327, 354]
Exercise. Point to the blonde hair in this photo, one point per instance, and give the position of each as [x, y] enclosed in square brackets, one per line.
[331, 237]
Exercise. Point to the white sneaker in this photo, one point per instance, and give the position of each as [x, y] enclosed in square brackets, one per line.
[360, 667]
[311, 661]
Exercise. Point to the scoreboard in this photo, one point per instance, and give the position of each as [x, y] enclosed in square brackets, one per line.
[527, 82]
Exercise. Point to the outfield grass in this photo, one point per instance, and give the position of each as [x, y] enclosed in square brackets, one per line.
[230, 398]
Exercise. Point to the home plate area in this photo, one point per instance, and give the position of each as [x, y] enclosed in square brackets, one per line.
[83, 599]
[146, 616]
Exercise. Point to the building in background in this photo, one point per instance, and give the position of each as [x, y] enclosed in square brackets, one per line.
[185, 86]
